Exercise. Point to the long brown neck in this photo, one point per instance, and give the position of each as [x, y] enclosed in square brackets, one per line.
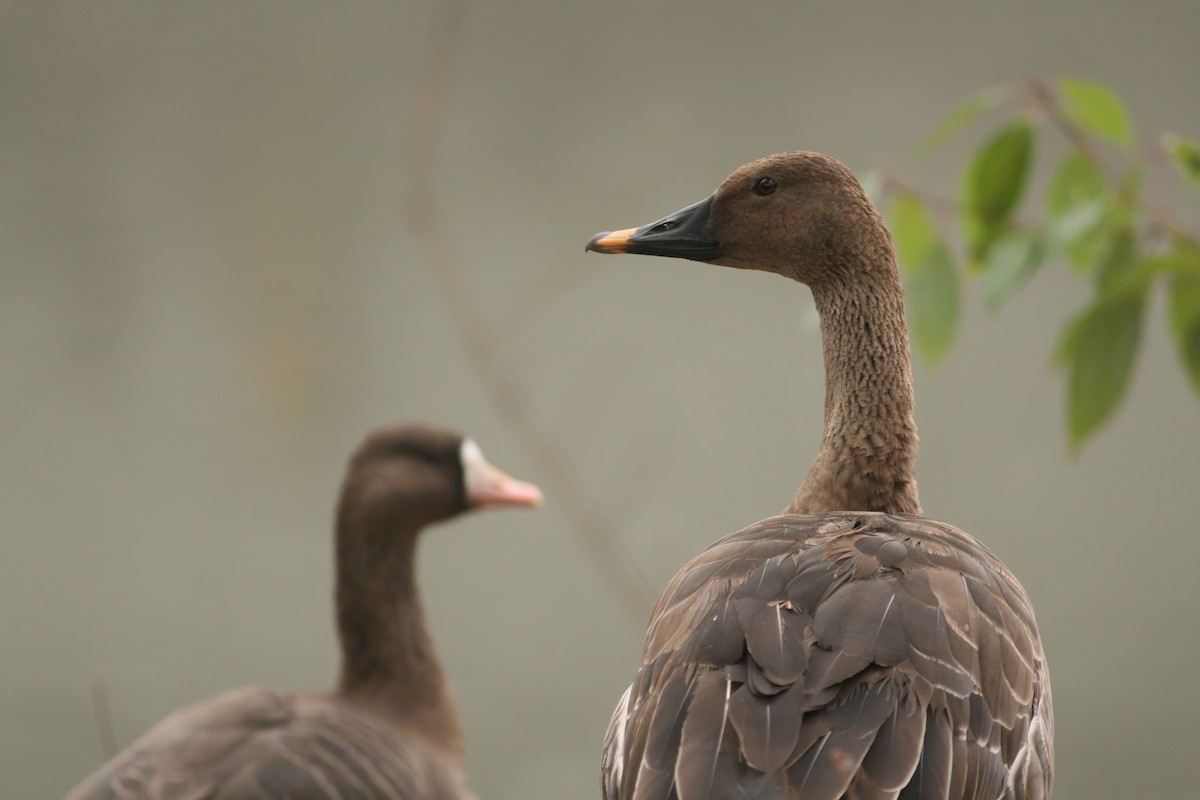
[388, 657]
[867, 460]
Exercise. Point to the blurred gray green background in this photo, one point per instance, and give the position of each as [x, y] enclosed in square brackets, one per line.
[209, 290]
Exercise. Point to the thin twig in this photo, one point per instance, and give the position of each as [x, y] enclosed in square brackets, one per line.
[104, 721]
[945, 206]
[480, 338]
[942, 205]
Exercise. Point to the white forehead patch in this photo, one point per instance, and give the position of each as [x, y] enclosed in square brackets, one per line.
[474, 466]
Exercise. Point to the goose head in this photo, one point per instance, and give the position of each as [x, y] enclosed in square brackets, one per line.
[412, 475]
[805, 216]
[802, 215]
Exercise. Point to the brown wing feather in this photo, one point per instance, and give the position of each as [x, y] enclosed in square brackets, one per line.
[864, 656]
[255, 743]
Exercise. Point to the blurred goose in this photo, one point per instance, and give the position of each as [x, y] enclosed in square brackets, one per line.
[390, 729]
[848, 648]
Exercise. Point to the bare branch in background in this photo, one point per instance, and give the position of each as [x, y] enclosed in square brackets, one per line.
[479, 336]
[551, 286]
[104, 722]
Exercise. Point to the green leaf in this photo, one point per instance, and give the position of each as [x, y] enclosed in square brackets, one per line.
[1072, 230]
[1179, 260]
[1098, 349]
[967, 112]
[913, 232]
[1184, 302]
[1077, 201]
[1118, 269]
[1129, 198]
[1185, 153]
[872, 184]
[934, 299]
[979, 236]
[933, 290]
[1013, 260]
[1076, 182]
[993, 183]
[1097, 110]
[996, 175]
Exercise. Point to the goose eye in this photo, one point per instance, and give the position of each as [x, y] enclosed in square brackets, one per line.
[764, 186]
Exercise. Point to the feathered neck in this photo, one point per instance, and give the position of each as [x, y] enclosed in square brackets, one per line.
[867, 460]
[388, 656]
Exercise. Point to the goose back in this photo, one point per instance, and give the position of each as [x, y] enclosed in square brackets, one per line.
[255, 743]
[858, 655]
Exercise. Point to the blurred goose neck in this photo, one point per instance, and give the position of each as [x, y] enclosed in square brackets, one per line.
[388, 655]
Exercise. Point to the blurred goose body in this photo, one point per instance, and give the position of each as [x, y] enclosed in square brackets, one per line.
[847, 648]
[390, 729]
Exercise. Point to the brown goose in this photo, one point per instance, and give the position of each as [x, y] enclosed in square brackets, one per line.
[848, 648]
[390, 729]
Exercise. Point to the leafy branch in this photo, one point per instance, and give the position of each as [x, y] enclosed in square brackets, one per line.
[1096, 216]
